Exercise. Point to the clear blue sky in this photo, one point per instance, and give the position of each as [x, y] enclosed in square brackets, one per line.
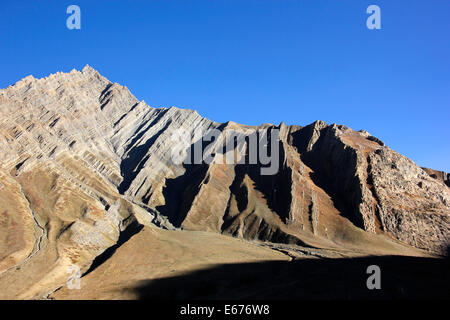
[256, 61]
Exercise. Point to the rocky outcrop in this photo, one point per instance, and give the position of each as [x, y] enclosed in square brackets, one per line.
[439, 175]
[376, 188]
[81, 158]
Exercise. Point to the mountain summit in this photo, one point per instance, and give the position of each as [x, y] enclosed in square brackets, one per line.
[85, 165]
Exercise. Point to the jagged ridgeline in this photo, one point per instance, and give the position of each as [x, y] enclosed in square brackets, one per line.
[82, 161]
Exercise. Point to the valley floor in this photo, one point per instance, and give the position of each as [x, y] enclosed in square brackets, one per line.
[161, 264]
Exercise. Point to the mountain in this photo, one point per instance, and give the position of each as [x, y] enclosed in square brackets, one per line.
[89, 175]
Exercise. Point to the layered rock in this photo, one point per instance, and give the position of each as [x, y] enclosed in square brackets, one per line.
[81, 158]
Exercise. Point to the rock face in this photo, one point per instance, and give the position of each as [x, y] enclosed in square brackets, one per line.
[81, 159]
[439, 175]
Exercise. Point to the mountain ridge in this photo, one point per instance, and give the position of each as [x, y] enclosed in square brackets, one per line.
[82, 159]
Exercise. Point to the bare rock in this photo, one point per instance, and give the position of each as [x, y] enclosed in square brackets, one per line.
[81, 158]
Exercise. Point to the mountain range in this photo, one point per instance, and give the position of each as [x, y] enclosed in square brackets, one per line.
[88, 179]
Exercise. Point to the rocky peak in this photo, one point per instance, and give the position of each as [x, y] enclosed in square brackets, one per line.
[81, 158]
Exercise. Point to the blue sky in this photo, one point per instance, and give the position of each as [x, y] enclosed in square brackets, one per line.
[257, 61]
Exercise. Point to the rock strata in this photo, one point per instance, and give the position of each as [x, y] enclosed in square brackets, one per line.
[81, 159]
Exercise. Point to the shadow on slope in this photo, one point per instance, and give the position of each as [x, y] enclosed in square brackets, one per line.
[137, 157]
[180, 192]
[334, 168]
[132, 229]
[317, 279]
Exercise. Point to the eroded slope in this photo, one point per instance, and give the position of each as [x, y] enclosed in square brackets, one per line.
[81, 159]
